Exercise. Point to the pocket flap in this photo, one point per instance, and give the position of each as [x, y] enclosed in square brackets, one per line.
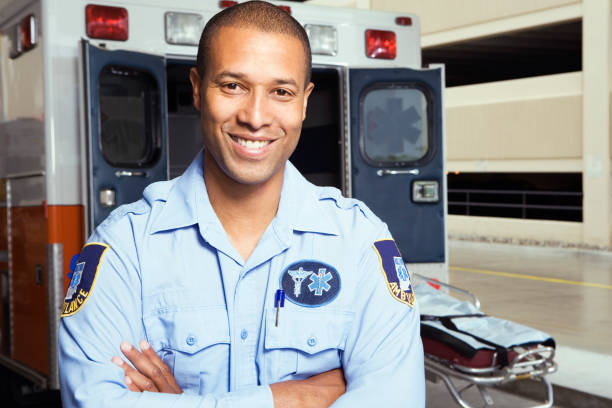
[306, 330]
[188, 331]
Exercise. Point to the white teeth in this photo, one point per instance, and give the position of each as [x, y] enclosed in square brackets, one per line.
[252, 144]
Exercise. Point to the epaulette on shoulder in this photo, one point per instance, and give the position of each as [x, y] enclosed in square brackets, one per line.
[137, 207]
[158, 191]
[347, 204]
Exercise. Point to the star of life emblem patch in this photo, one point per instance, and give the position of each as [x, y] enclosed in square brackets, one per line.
[394, 270]
[76, 279]
[83, 278]
[310, 283]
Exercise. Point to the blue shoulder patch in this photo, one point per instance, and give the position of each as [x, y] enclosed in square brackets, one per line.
[83, 277]
[394, 270]
[310, 283]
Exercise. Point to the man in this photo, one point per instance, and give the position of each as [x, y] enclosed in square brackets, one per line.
[199, 266]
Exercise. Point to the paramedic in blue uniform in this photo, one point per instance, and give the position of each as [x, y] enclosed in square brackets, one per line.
[240, 284]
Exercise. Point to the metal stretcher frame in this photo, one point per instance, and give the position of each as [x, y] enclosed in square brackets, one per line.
[533, 363]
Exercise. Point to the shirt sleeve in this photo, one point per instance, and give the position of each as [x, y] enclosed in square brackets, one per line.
[112, 312]
[383, 358]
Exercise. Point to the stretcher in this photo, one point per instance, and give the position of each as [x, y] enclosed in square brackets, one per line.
[466, 348]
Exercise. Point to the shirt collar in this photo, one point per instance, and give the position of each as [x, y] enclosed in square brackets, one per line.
[181, 207]
[300, 207]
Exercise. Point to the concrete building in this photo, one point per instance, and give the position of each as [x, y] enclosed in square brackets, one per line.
[528, 107]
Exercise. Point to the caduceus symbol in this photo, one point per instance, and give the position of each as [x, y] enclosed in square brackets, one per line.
[298, 277]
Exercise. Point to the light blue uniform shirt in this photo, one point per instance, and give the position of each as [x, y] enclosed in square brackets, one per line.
[171, 276]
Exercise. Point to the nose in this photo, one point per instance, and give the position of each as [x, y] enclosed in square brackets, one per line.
[255, 111]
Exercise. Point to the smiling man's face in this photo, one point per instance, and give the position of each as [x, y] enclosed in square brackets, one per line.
[252, 102]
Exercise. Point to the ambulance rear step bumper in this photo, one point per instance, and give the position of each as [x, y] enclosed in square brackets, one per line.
[25, 371]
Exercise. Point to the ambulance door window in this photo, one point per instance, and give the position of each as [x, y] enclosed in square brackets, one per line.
[395, 129]
[130, 112]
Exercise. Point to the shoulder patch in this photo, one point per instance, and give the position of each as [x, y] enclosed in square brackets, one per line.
[394, 270]
[310, 283]
[83, 277]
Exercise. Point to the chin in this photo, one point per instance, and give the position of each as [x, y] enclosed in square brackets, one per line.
[252, 177]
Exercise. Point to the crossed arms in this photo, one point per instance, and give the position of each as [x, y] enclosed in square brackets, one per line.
[148, 372]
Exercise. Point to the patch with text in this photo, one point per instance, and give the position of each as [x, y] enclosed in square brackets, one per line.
[83, 277]
[394, 270]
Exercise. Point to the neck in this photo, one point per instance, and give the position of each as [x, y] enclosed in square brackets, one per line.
[245, 210]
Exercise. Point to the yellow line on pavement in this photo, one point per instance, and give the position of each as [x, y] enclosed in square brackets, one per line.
[532, 277]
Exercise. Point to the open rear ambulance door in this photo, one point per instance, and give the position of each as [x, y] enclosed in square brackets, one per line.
[125, 100]
[397, 155]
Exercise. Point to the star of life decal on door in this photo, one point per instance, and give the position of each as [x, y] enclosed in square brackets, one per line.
[83, 278]
[394, 270]
[310, 283]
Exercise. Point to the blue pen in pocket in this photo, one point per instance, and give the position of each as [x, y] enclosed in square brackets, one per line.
[279, 301]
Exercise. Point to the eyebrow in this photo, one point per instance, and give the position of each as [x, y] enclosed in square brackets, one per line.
[230, 74]
[241, 76]
[287, 81]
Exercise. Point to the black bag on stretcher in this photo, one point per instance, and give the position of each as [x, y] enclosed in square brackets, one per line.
[461, 342]
[456, 330]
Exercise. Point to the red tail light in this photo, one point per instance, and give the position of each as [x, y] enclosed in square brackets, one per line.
[24, 36]
[285, 8]
[105, 22]
[227, 3]
[27, 33]
[403, 21]
[381, 44]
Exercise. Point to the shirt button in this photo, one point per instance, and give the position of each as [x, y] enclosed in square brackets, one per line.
[244, 334]
[312, 342]
[190, 340]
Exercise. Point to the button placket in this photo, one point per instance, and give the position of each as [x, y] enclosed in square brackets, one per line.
[246, 305]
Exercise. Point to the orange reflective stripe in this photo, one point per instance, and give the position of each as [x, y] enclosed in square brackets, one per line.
[66, 226]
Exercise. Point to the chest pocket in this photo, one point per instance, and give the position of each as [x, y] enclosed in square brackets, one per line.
[305, 343]
[195, 345]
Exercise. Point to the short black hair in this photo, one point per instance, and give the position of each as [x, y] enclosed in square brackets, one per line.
[256, 14]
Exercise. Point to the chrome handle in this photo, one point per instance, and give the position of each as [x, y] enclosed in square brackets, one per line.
[15, 176]
[128, 173]
[381, 172]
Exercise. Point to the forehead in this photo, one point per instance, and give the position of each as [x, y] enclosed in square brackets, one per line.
[262, 52]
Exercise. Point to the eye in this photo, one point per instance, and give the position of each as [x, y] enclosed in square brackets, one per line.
[283, 93]
[231, 87]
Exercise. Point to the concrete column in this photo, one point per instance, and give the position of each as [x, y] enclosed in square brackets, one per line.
[596, 66]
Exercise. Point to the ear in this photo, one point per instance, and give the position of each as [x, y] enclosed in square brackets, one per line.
[196, 83]
[307, 93]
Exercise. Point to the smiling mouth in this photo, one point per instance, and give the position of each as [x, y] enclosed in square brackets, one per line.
[251, 144]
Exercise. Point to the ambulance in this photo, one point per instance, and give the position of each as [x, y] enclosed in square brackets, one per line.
[95, 104]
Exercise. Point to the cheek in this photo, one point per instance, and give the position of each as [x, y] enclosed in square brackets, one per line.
[217, 109]
[291, 119]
